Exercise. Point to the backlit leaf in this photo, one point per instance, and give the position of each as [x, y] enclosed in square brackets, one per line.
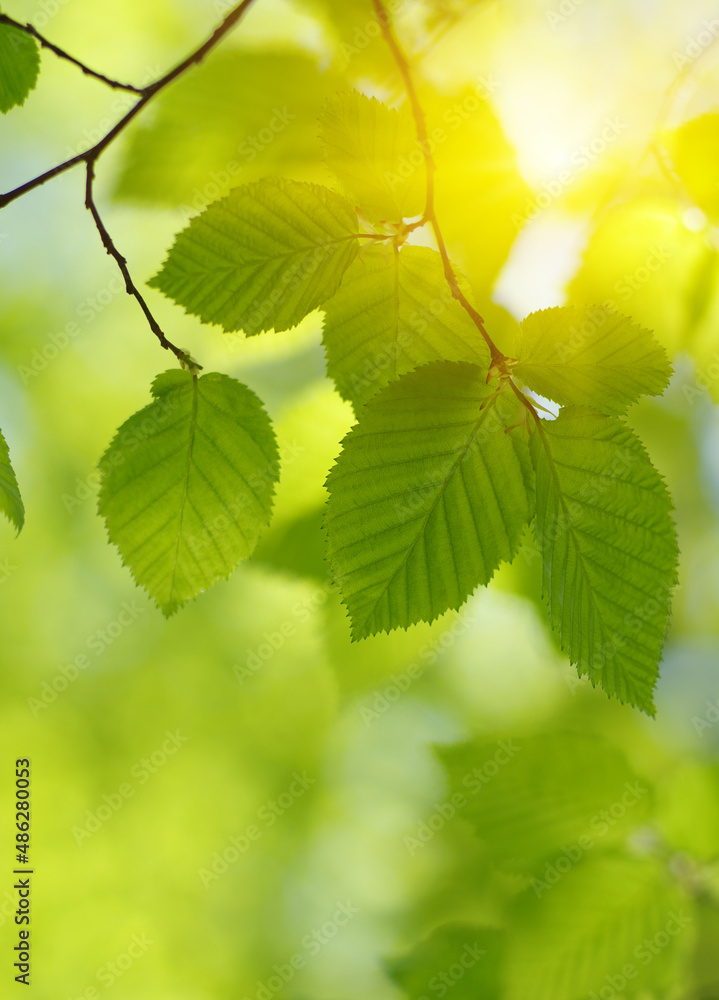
[374, 151]
[590, 356]
[19, 66]
[609, 549]
[393, 312]
[263, 257]
[187, 484]
[428, 496]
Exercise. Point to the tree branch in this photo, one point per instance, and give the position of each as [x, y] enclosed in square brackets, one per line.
[62, 54]
[430, 215]
[130, 287]
[90, 156]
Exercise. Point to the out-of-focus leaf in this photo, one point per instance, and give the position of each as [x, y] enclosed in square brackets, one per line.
[549, 798]
[236, 118]
[297, 547]
[462, 958]
[611, 923]
[688, 791]
[642, 261]
[695, 147]
[373, 149]
[481, 198]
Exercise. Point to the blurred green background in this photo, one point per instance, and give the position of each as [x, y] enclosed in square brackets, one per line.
[304, 806]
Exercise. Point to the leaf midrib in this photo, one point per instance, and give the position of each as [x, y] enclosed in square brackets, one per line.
[183, 501]
[440, 495]
[268, 259]
[570, 530]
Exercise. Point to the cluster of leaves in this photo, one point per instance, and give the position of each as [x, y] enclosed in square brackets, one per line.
[584, 841]
[449, 461]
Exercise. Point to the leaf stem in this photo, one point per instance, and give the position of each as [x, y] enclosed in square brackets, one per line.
[62, 54]
[430, 215]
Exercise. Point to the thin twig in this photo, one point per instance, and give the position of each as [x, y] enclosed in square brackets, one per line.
[28, 29]
[130, 286]
[91, 156]
[430, 214]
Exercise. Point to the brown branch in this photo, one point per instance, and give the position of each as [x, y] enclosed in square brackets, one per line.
[62, 54]
[430, 214]
[130, 286]
[92, 154]
[90, 157]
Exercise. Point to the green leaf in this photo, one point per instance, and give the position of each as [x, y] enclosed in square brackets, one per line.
[611, 926]
[205, 137]
[588, 355]
[695, 147]
[393, 312]
[374, 151]
[187, 484]
[461, 957]
[263, 257]
[428, 496]
[552, 797]
[10, 500]
[609, 549]
[19, 66]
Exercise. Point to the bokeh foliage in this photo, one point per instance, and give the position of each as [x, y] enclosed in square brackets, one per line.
[315, 772]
